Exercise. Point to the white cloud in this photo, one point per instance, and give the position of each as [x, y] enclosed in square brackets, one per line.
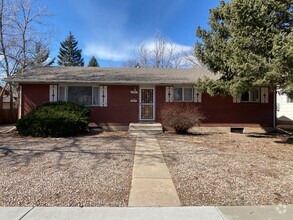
[110, 31]
[177, 48]
[109, 52]
[126, 50]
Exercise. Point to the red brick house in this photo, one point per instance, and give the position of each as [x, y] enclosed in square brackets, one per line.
[119, 96]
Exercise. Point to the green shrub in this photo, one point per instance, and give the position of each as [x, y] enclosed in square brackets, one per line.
[181, 116]
[55, 119]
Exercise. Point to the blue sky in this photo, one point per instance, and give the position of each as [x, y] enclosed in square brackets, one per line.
[110, 30]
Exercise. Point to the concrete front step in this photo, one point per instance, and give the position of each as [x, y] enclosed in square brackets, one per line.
[145, 128]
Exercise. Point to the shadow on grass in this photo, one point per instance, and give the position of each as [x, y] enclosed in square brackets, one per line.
[6, 151]
[283, 138]
[188, 134]
[286, 141]
[22, 151]
[265, 135]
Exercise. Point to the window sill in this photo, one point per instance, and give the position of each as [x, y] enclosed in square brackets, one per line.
[182, 101]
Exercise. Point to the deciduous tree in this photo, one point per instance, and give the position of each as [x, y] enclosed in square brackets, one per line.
[161, 52]
[21, 26]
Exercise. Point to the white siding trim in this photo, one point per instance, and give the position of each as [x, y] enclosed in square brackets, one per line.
[103, 96]
[264, 95]
[285, 108]
[169, 94]
[53, 93]
[197, 96]
[237, 99]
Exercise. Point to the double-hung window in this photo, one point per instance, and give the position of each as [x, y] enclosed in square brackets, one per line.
[251, 96]
[183, 94]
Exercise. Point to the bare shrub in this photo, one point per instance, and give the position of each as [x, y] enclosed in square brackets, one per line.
[181, 116]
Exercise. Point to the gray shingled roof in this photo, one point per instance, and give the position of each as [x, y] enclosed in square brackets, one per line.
[111, 75]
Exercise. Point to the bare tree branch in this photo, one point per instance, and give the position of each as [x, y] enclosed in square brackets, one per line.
[161, 53]
[20, 28]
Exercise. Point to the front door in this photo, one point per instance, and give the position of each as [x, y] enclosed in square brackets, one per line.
[147, 102]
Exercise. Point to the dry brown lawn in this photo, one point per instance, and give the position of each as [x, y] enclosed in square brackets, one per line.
[92, 170]
[230, 169]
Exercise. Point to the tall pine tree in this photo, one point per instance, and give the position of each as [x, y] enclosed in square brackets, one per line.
[69, 54]
[250, 43]
[93, 62]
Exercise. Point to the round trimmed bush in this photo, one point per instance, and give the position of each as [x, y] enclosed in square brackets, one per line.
[55, 119]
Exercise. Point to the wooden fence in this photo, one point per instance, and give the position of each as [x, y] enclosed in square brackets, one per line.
[6, 117]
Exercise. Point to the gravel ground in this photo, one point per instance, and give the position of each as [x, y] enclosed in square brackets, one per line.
[92, 170]
[230, 169]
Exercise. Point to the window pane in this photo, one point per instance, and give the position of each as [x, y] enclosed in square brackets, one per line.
[147, 95]
[80, 95]
[187, 94]
[254, 95]
[290, 98]
[61, 93]
[178, 94]
[245, 97]
[95, 95]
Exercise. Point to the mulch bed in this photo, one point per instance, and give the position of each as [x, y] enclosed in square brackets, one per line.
[230, 169]
[91, 170]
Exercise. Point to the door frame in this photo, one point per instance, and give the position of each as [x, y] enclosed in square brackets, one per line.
[154, 102]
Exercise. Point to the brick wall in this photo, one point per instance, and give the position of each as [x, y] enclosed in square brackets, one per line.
[33, 95]
[219, 111]
[120, 111]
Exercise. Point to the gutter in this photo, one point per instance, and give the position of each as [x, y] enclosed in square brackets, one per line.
[98, 82]
[275, 109]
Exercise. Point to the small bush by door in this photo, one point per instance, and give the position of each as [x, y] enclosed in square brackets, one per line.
[181, 116]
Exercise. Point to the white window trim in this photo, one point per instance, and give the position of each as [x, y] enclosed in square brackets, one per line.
[182, 87]
[78, 85]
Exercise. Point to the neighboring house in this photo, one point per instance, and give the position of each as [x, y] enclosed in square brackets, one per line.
[6, 99]
[119, 96]
[284, 107]
[7, 115]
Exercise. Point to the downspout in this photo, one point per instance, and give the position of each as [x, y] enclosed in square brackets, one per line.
[20, 102]
[274, 109]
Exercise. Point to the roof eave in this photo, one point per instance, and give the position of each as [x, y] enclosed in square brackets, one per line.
[97, 82]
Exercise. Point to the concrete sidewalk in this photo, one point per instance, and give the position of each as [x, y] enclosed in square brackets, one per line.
[151, 181]
[147, 213]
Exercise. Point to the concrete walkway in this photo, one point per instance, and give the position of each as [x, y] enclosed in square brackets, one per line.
[145, 213]
[7, 128]
[151, 181]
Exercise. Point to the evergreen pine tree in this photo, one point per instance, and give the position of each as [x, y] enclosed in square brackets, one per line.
[93, 62]
[250, 43]
[69, 54]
